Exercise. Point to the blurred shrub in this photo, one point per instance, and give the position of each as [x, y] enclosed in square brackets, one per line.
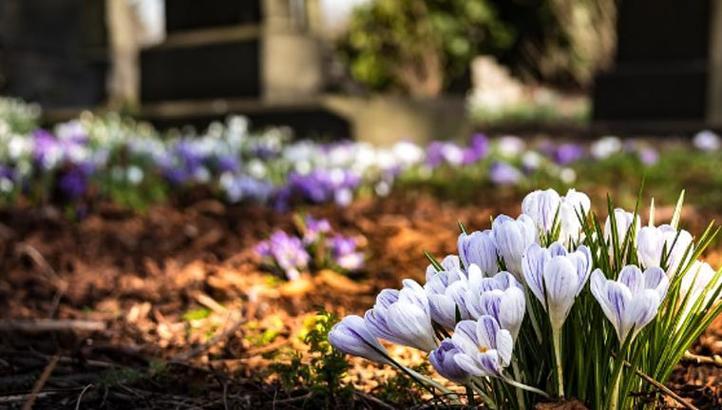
[419, 46]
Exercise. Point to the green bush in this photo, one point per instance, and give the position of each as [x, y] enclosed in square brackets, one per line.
[420, 46]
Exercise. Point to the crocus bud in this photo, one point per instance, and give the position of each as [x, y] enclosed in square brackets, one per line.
[479, 248]
[353, 337]
[541, 207]
[656, 243]
[512, 237]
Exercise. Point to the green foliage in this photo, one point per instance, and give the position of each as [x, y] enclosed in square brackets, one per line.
[322, 374]
[419, 46]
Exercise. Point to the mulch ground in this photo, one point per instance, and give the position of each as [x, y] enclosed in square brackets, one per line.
[169, 309]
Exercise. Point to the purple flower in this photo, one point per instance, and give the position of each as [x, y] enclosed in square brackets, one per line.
[74, 182]
[565, 154]
[241, 187]
[443, 359]
[314, 228]
[476, 150]
[228, 163]
[343, 252]
[285, 251]
[503, 173]
[47, 150]
[435, 154]
[648, 155]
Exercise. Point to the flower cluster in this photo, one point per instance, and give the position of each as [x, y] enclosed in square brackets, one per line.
[317, 246]
[549, 296]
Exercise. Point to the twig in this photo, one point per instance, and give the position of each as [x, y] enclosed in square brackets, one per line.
[373, 399]
[51, 325]
[715, 360]
[40, 383]
[215, 340]
[662, 388]
[80, 397]
[20, 397]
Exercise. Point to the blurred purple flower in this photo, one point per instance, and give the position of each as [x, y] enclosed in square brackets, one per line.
[503, 173]
[648, 155]
[565, 154]
[74, 182]
[314, 229]
[477, 149]
[228, 163]
[343, 252]
[286, 251]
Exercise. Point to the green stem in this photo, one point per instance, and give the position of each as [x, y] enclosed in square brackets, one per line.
[519, 391]
[556, 340]
[525, 387]
[470, 396]
[614, 397]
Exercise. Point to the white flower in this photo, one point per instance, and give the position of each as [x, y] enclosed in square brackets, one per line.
[479, 248]
[501, 297]
[695, 280]
[663, 242]
[512, 237]
[556, 277]
[353, 337]
[605, 147]
[623, 221]
[542, 207]
[632, 301]
[485, 347]
[573, 205]
[403, 317]
[706, 140]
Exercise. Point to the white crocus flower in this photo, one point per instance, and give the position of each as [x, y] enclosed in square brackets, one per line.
[541, 207]
[512, 237]
[694, 282]
[501, 297]
[632, 301]
[479, 248]
[656, 243]
[352, 336]
[556, 277]
[624, 221]
[485, 347]
[403, 317]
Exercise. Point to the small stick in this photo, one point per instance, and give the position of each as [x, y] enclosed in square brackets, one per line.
[80, 397]
[40, 383]
[715, 360]
[51, 325]
[664, 389]
[373, 399]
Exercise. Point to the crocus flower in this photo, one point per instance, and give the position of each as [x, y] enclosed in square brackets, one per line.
[479, 248]
[624, 221]
[632, 301]
[351, 336]
[706, 140]
[344, 254]
[565, 154]
[542, 207]
[556, 277]
[606, 147]
[314, 228]
[449, 263]
[655, 243]
[501, 297]
[443, 358]
[512, 237]
[447, 291]
[403, 317]
[485, 348]
[286, 251]
[695, 280]
[503, 173]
